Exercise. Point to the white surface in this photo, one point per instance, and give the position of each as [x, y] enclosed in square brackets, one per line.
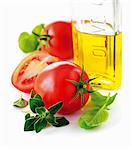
[116, 133]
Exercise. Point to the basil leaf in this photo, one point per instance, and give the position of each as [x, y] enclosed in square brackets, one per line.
[38, 29]
[99, 100]
[55, 108]
[111, 100]
[40, 124]
[95, 117]
[29, 124]
[27, 116]
[28, 43]
[92, 119]
[35, 102]
[21, 103]
[40, 111]
[51, 119]
[61, 121]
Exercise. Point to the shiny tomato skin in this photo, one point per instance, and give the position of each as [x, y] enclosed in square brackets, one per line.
[20, 77]
[53, 85]
[60, 43]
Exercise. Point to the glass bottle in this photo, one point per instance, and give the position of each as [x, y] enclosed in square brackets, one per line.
[97, 40]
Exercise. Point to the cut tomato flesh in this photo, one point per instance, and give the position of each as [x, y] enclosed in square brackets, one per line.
[27, 71]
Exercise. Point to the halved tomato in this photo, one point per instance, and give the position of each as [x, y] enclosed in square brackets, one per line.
[24, 75]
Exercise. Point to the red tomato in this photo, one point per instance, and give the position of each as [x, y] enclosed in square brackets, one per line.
[53, 85]
[26, 72]
[60, 43]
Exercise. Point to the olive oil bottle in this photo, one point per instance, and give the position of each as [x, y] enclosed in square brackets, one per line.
[98, 46]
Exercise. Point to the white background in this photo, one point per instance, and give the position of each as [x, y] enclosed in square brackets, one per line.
[18, 16]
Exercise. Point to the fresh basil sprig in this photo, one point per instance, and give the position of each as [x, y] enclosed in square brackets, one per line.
[34, 41]
[96, 116]
[28, 42]
[37, 30]
[99, 100]
[42, 116]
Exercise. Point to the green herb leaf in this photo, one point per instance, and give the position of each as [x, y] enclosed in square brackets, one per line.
[40, 124]
[61, 121]
[99, 100]
[21, 103]
[55, 108]
[111, 100]
[35, 102]
[32, 94]
[95, 117]
[29, 124]
[27, 116]
[28, 43]
[40, 111]
[51, 119]
[38, 29]
[43, 117]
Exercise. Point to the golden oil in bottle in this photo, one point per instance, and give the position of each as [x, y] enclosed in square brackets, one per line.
[100, 53]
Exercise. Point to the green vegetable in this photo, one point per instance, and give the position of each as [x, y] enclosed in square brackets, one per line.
[55, 108]
[51, 118]
[38, 29]
[28, 42]
[96, 116]
[40, 124]
[29, 124]
[40, 111]
[21, 103]
[88, 121]
[35, 102]
[99, 100]
[27, 116]
[42, 116]
[61, 121]
[34, 41]
[44, 39]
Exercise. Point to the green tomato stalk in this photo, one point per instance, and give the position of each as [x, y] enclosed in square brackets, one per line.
[81, 86]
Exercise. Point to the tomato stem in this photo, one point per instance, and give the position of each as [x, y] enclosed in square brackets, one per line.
[44, 39]
[81, 86]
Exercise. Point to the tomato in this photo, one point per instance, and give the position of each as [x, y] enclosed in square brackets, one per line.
[60, 42]
[26, 72]
[55, 83]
